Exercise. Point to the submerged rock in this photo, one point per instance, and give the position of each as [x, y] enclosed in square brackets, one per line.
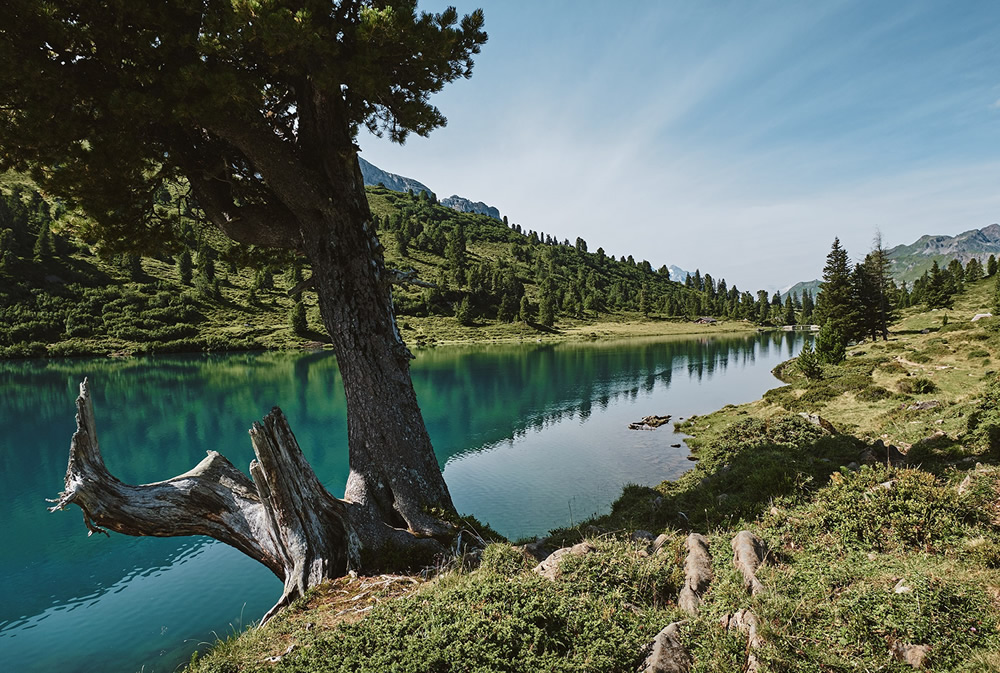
[649, 423]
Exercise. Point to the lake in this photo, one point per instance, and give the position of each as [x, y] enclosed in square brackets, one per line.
[530, 437]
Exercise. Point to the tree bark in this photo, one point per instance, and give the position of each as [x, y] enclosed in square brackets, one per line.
[283, 517]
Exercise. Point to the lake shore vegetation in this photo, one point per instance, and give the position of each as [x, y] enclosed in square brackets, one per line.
[873, 489]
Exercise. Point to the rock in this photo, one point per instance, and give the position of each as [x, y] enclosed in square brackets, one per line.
[914, 655]
[55, 280]
[697, 574]
[658, 544]
[931, 438]
[867, 457]
[746, 622]
[538, 550]
[643, 535]
[749, 553]
[675, 446]
[980, 316]
[923, 406]
[819, 421]
[852, 466]
[721, 498]
[925, 331]
[886, 454]
[549, 568]
[902, 588]
[884, 486]
[649, 423]
[667, 654]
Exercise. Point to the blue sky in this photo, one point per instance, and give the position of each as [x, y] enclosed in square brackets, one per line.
[734, 137]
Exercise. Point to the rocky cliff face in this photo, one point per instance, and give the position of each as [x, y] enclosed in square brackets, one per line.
[373, 175]
[464, 205]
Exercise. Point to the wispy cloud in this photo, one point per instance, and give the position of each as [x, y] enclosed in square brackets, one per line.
[739, 139]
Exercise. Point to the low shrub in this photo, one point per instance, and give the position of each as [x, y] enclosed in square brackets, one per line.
[917, 385]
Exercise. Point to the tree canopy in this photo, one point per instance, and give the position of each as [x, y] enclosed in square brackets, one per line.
[249, 101]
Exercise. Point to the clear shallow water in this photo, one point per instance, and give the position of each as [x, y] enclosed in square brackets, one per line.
[530, 437]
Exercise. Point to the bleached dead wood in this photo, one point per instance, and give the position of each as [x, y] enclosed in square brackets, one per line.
[283, 517]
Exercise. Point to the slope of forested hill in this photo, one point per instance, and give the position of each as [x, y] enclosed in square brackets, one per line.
[61, 295]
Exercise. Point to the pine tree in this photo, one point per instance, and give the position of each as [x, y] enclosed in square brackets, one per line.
[45, 246]
[297, 318]
[991, 265]
[808, 363]
[835, 302]
[831, 343]
[464, 312]
[875, 292]
[185, 267]
[547, 314]
[808, 306]
[789, 317]
[507, 312]
[527, 311]
[938, 289]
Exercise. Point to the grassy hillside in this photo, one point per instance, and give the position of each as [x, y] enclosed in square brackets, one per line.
[59, 295]
[873, 551]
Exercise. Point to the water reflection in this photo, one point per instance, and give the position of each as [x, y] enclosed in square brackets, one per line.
[530, 437]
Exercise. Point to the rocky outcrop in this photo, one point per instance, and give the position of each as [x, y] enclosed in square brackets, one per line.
[697, 574]
[667, 653]
[464, 205]
[549, 568]
[373, 175]
[914, 655]
[819, 422]
[745, 621]
[749, 553]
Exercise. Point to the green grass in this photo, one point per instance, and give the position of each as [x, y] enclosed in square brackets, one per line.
[864, 556]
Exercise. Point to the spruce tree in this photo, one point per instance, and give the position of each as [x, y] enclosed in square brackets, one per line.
[991, 265]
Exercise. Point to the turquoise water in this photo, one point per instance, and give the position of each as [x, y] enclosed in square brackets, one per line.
[530, 437]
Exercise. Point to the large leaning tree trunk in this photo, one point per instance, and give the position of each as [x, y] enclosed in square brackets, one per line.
[282, 517]
[256, 107]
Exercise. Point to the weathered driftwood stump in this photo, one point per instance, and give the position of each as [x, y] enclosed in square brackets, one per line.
[283, 517]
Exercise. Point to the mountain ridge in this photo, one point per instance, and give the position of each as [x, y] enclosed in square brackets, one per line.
[908, 262]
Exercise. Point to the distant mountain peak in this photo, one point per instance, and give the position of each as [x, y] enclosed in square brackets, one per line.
[373, 175]
[678, 274]
[464, 205]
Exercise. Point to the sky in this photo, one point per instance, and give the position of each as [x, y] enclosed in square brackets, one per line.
[738, 138]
